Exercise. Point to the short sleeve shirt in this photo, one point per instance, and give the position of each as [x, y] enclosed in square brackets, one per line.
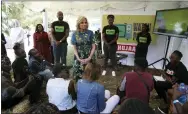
[79, 38]
[60, 28]
[110, 32]
[144, 39]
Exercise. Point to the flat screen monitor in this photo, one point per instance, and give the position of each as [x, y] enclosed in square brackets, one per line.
[172, 22]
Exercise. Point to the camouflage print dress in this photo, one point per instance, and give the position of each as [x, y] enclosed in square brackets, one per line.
[83, 41]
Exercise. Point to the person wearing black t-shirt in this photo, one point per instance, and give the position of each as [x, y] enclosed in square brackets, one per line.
[60, 32]
[20, 67]
[175, 72]
[143, 39]
[110, 35]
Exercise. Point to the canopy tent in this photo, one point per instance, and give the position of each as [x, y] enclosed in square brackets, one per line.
[94, 10]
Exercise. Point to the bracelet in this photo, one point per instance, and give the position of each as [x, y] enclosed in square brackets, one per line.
[175, 101]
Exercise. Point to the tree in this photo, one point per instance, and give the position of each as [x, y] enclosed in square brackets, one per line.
[18, 10]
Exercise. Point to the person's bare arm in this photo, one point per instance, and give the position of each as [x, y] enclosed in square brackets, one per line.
[176, 95]
[92, 51]
[116, 38]
[52, 34]
[66, 35]
[104, 39]
[75, 52]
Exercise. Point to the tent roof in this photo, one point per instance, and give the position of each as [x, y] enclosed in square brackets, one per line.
[94, 9]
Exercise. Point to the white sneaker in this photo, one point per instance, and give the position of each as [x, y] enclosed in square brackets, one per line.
[104, 73]
[113, 73]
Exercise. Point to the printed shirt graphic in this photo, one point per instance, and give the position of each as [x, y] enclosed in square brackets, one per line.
[142, 39]
[110, 32]
[59, 28]
[170, 72]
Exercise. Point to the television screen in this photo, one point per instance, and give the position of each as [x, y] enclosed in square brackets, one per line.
[172, 22]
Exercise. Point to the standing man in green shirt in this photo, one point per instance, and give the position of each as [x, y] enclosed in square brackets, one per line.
[60, 32]
[110, 35]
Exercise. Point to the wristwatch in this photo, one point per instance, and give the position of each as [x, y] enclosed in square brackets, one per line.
[176, 101]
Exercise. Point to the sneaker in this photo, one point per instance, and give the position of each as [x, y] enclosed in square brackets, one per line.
[113, 73]
[104, 73]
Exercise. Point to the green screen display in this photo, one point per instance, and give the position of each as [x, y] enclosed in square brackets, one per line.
[172, 22]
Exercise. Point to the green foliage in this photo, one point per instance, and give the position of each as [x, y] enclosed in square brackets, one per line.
[19, 11]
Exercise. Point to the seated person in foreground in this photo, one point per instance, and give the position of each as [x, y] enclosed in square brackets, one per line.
[61, 91]
[91, 95]
[175, 72]
[20, 67]
[37, 65]
[44, 108]
[5, 66]
[10, 95]
[138, 84]
[135, 106]
[178, 108]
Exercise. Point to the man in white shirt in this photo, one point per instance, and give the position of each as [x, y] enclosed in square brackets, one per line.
[61, 92]
[17, 34]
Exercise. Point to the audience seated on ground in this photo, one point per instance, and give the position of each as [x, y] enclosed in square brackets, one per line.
[44, 108]
[91, 95]
[135, 106]
[37, 65]
[137, 84]
[61, 91]
[20, 67]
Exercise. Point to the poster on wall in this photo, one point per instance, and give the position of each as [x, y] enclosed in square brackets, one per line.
[129, 26]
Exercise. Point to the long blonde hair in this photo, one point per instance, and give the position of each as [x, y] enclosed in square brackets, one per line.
[79, 20]
[93, 70]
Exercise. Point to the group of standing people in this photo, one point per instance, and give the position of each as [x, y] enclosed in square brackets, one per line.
[83, 41]
[57, 38]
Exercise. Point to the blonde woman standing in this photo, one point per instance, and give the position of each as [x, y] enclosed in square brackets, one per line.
[83, 45]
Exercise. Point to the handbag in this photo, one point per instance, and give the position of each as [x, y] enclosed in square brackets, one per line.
[145, 84]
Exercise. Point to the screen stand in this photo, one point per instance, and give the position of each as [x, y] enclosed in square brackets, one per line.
[165, 58]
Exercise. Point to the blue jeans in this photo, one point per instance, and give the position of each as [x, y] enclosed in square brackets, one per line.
[60, 52]
[47, 74]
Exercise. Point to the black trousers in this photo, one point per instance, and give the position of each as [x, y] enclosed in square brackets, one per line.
[110, 53]
[161, 88]
[70, 111]
[141, 51]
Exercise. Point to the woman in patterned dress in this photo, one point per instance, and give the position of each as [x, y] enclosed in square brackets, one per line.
[84, 46]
